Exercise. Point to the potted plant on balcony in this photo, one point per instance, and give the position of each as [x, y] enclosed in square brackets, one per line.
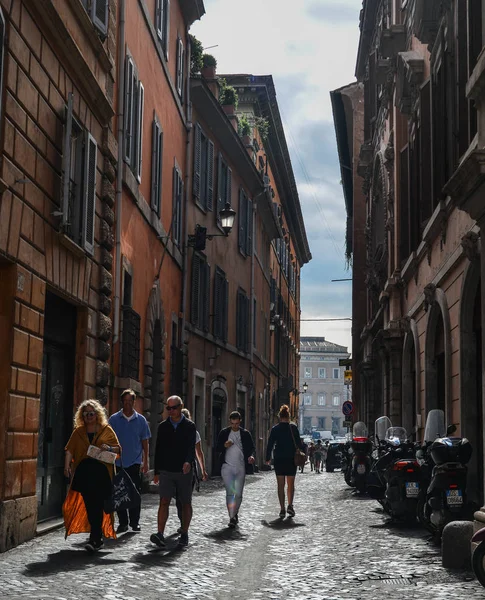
[228, 97]
[245, 130]
[196, 55]
[209, 65]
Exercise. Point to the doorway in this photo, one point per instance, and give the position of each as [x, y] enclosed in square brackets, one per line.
[56, 404]
[218, 406]
[156, 389]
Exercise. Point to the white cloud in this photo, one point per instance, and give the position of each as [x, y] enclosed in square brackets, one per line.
[310, 48]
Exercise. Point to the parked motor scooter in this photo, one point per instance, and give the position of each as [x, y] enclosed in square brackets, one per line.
[361, 448]
[398, 468]
[442, 497]
[376, 483]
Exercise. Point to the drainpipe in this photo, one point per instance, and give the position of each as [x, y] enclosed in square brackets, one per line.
[119, 173]
[253, 315]
[188, 108]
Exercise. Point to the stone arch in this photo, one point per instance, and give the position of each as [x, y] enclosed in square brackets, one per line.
[438, 351]
[218, 419]
[411, 377]
[471, 416]
[154, 368]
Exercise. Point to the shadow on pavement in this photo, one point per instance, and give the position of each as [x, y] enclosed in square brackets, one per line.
[407, 530]
[226, 535]
[68, 560]
[282, 524]
[157, 556]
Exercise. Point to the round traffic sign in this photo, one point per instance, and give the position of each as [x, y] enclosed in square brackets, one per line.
[347, 408]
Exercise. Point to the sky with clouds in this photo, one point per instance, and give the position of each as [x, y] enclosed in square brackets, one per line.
[310, 48]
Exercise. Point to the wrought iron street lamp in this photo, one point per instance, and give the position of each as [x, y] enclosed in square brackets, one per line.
[198, 239]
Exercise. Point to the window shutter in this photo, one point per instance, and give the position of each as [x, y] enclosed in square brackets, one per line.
[249, 240]
[156, 166]
[238, 319]
[99, 15]
[205, 317]
[218, 311]
[128, 108]
[166, 33]
[210, 175]
[180, 66]
[246, 324]
[220, 191]
[242, 220]
[139, 130]
[195, 290]
[225, 301]
[89, 207]
[229, 187]
[197, 158]
[66, 161]
[180, 195]
[158, 18]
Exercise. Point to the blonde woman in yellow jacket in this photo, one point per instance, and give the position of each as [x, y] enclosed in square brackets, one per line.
[90, 478]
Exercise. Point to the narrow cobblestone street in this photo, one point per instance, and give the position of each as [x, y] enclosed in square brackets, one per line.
[339, 546]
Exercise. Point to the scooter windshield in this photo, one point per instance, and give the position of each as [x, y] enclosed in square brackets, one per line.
[435, 425]
[381, 425]
[359, 430]
[396, 435]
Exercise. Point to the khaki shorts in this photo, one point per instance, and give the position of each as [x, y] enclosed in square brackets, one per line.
[176, 485]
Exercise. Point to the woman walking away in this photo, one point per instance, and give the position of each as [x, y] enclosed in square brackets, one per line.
[286, 439]
[236, 448]
[318, 455]
[90, 478]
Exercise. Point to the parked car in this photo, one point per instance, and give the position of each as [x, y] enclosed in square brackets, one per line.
[335, 456]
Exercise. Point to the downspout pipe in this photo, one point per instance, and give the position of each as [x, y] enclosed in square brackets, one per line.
[183, 300]
[252, 389]
[119, 171]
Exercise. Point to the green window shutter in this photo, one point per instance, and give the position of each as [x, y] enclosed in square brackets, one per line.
[128, 109]
[242, 221]
[218, 282]
[89, 206]
[195, 290]
[249, 237]
[197, 159]
[205, 296]
[140, 105]
[158, 18]
[220, 187]
[228, 187]
[225, 308]
[66, 162]
[166, 27]
[210, 176]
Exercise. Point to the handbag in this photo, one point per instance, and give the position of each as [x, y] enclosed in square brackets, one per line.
[124, 494]
[300, 457]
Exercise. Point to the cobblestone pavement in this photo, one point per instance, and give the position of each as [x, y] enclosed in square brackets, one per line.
[338, 547]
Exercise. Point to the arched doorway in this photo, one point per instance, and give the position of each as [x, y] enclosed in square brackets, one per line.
[410, 380]
[438, 353]
[218, 421]
[471, 377]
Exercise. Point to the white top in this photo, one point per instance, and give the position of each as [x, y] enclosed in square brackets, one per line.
[197, 437]
[234, 454]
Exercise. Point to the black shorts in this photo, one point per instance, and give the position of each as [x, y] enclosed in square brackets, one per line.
[285, 466]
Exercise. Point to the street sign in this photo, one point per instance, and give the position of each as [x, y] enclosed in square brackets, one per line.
[347, 408]
[347, 424]
[348, 377]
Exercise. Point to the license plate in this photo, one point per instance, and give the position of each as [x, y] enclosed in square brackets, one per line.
[412, 489]
[454, 497]
[360, 469]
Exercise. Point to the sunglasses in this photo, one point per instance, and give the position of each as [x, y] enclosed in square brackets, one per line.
[89, 413]
[174, 407]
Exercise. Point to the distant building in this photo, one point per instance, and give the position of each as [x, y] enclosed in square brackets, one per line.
[321, 404]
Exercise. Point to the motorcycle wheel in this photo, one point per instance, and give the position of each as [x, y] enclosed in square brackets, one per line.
[478, 559]
[329, 469]
[347, 478]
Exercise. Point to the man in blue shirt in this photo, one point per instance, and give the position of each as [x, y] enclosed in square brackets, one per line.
[133, 434]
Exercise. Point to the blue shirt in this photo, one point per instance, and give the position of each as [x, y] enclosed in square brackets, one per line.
[175, 424]
[130, 435]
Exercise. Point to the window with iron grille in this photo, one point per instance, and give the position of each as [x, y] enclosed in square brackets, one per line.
[242, 321]
[130, 344]
[221, 287]
[79, 156]
[98, 12]
[200, 292]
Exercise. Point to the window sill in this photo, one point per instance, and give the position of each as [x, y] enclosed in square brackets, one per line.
[123, 383]
[91, 33]
[71, 245]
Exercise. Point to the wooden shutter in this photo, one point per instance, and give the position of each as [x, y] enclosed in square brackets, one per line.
[218, 311]
[166, 27]
[228, 187]
[177, 205]
[139, 130]
[197, 160]
[246, 324]
[180, 67]
[158, 18]
[242, 222]
[225, 303]
[89, 200]
[195, 290]
[249, 237]
[404, 204]
[66, 161]
[210, 175]
[99, 15]
[128, 109]
[220, 190]
[205, 305]
[238, 320]
[157, 145]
